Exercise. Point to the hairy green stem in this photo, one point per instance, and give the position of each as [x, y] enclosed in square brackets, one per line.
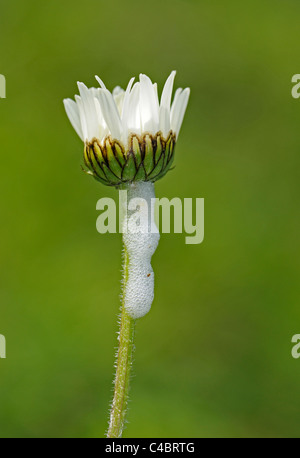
[140, 240]
[123, 366]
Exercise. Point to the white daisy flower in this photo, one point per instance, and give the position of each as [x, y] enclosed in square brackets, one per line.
[128, 135]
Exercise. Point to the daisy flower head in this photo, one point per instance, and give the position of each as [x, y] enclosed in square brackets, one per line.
[129, 135]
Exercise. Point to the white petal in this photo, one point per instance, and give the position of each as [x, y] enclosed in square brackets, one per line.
[177, 94]
[149, 106]
[110, 113]
[178, 110]
[117, 91]
[125, 110]
[82, 117]
[164, 110]
[87, 97]
[155, 91]
[98, 108]
[118, 95]
[133, 116]
[73, 115]
[100, 82]
[103, 129]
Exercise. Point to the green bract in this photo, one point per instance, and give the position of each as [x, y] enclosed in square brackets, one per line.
[147, 158]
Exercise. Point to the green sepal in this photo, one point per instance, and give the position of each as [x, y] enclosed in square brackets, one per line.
[119, 153]
[165, 170]
[172, 147]
[97, 151]
[113, 164]
[94, 160]
[86, 157]
[88, 172]
[149, 155]
[100, 180]
[129, 169]
[140, 175]
[136, 150]
[158, 168]
[159, 148]
[111, 178]
[168, 149]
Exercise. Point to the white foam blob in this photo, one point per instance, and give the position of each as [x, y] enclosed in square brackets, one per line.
[141, 237]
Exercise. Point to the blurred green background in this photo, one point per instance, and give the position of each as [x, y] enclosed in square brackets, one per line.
[213, 358]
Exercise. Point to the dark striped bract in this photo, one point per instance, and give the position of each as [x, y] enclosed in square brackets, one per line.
[147, 158]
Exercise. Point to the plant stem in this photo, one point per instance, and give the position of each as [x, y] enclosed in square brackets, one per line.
[123, 365]
[140, 242]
